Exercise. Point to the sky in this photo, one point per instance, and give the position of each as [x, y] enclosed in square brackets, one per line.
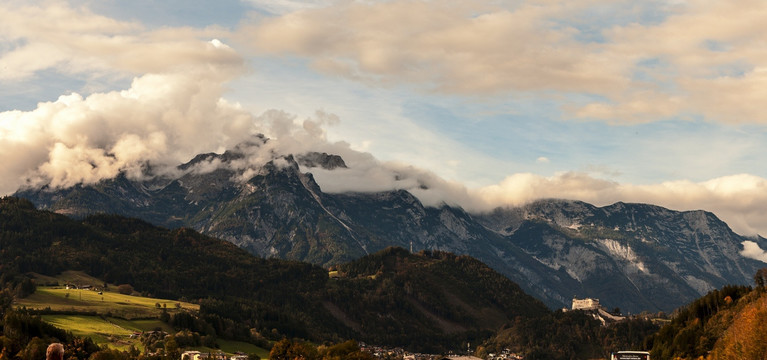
[477, 104]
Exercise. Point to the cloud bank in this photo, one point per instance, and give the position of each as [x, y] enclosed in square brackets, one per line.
[453, 47]
[643, 61]
[739, 200]
[161, 119]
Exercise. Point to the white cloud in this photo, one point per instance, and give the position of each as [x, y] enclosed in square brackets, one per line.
[691, 58]
[448, 45]
[172, 110]
[753, 251]
[739, 200]
[287, 6]
[162, 119]
[53, 35]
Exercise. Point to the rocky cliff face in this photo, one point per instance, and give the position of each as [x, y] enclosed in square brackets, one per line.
[637, 254]
[633, 256]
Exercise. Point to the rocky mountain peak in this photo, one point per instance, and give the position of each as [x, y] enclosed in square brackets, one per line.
[322, 160]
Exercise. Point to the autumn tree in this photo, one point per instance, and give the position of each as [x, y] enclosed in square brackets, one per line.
[746, 338]
[349, 350]
[171, 348]
[293, 350]
[35, 349]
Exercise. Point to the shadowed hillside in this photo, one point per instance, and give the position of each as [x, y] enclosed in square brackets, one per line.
[428, 301]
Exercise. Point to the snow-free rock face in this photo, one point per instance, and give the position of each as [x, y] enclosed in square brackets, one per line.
[640, 254]
[633, 256]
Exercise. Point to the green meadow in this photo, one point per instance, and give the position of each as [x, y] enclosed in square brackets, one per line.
[110, 317]
[114, 332]
[107, 303]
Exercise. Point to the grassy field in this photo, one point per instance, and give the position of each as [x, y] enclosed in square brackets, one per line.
[116, 333]
[117, 315]
[106, 303]
[100, 330]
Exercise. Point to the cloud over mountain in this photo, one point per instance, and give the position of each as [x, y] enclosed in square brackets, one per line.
[175, 106]
[162, 119]
[172, 110]
[737, 199]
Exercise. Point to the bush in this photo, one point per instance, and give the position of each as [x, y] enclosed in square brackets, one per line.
[125, 289]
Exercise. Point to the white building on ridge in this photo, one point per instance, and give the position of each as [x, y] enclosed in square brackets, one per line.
[585, 304]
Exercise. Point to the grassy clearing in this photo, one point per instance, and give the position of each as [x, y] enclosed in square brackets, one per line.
[115, 333]
[107, 303]
[142, 325]
[100, 330]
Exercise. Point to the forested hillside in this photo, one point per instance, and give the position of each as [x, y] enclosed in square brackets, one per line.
[568, 335]
[250, 298]
[399, 285]
[730, 323]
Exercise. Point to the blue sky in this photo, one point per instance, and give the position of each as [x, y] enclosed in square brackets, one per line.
[492, 102]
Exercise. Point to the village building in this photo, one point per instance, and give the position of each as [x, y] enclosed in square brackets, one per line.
[585, 304]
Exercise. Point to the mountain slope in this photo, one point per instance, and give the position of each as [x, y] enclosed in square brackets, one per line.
[633, 256]
[646, 253]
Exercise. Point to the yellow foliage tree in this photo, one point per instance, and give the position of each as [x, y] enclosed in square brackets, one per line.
[746, 338]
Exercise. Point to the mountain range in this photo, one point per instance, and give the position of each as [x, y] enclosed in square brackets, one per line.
[636, 257]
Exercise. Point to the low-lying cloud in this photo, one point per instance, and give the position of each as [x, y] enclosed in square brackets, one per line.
[740, 200]
[737, 199]
[753, 251]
